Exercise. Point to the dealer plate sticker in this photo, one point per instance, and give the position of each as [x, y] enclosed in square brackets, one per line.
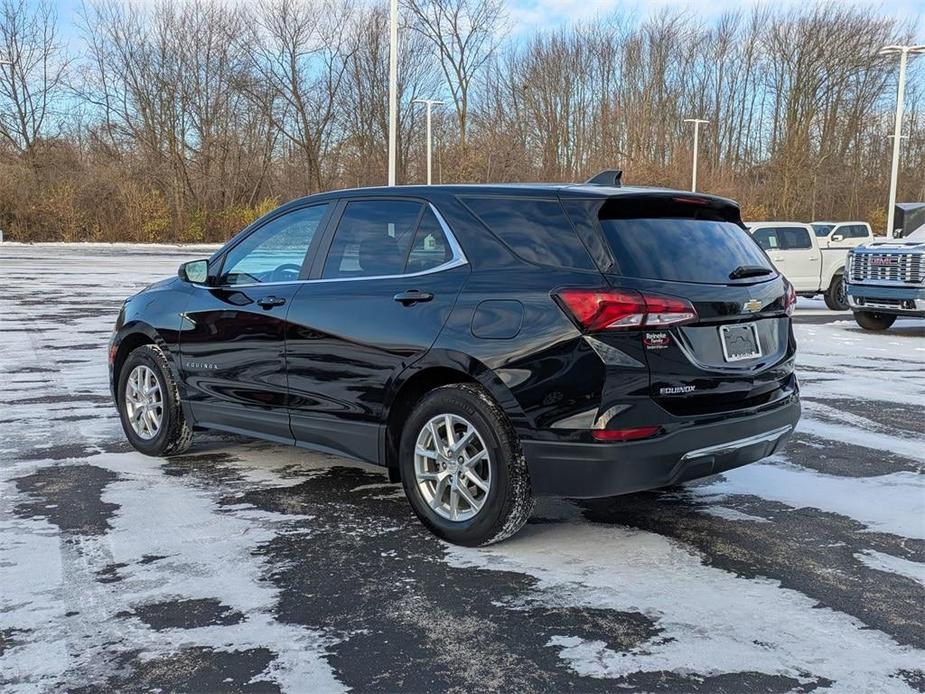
[740, 341]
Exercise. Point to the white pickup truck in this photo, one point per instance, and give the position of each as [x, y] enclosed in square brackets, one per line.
[842, 234]
[795, 251]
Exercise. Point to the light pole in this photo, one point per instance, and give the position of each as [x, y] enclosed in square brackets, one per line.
[696, 122]
[903, 52]
[430, 104]
[393, 86]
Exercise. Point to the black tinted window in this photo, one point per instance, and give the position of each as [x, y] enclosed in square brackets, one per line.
[683, 250]
[274, 253]
[823, 230]
[536, 230]
[430, 248]
[793, 238]
[372, 238]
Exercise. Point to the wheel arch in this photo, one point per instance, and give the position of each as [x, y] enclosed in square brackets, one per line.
[131, 337]
[439, 368]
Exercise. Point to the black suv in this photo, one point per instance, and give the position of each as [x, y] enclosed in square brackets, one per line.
[485, 343]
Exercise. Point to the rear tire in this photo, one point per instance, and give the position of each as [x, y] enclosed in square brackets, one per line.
[149, 404]
[874, 321]
[836, 298]
[433, 472]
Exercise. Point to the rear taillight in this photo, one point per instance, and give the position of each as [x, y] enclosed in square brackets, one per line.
[790, 302]
[607, 309]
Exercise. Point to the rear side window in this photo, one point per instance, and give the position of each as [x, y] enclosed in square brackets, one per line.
[681, 250]
[536, 230]
[372, 239]
[430, 248]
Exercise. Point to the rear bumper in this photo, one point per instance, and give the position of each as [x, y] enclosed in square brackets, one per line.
[588, 470]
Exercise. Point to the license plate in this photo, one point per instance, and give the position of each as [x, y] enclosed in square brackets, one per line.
[740, 341]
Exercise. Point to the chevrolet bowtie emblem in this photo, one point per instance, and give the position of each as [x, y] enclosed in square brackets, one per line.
[751, 305]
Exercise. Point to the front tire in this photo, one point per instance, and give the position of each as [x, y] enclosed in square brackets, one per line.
[836, 297]
[874, 321]
[462, 467]
[149, 404]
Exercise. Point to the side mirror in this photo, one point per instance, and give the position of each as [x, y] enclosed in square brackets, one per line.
[194, 272]
[838, 237]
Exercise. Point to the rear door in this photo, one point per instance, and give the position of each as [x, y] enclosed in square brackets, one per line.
[738, 352]
[233, 344]
[378, 297]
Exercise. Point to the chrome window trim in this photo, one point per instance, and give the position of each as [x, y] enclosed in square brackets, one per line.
[458, 259]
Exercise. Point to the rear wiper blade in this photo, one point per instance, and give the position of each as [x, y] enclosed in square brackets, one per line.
[749, 271]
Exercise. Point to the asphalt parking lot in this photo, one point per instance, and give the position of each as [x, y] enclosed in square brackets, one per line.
[244, 566]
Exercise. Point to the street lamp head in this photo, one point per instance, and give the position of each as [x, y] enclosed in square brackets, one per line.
[899, 50]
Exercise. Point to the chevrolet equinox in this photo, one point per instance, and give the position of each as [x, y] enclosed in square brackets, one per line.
[485, 343]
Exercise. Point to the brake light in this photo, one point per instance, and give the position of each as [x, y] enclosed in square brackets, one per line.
[633, 434]
[790, 302]
[602, 309]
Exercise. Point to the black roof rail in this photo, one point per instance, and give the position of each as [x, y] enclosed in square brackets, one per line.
[608, 177]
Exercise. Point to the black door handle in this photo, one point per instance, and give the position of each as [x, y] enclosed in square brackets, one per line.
[271, 301]
[412, 296]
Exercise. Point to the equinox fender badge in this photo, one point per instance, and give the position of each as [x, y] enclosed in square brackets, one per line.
[204, 365]
[656, 340]
[676, 390]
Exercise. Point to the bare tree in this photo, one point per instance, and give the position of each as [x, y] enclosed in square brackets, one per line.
[464, 35]
[31, 81]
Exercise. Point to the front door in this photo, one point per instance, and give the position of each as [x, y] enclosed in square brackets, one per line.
[234, 345]
[791, 250]
[387, 285]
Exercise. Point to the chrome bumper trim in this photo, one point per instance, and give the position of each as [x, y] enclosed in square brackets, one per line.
[719, 449]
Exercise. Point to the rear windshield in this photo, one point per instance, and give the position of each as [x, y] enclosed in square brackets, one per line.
[682, 250]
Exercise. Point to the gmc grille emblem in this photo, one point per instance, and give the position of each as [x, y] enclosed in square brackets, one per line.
[883, 261]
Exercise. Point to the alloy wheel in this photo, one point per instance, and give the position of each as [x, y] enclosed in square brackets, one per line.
[144, 402]
[452, 467]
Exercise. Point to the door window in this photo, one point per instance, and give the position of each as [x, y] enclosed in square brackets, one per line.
[372, 239]
[767, 239]
[793, 238]
[430, 248]
[276, 251]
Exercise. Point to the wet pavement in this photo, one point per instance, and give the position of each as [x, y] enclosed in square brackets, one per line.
[245, 566]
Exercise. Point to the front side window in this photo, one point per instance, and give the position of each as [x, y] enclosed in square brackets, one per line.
[823, 230]
[794, 238]
[276, 251]
[767, 239]
[372, 239]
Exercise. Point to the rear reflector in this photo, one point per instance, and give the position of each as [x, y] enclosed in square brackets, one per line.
[605, 309]
[633, 434]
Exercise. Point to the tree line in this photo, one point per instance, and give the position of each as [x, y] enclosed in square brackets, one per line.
[185, 120]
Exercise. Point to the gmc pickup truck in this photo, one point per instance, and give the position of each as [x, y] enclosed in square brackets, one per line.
[795, 251]
[887, 280]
